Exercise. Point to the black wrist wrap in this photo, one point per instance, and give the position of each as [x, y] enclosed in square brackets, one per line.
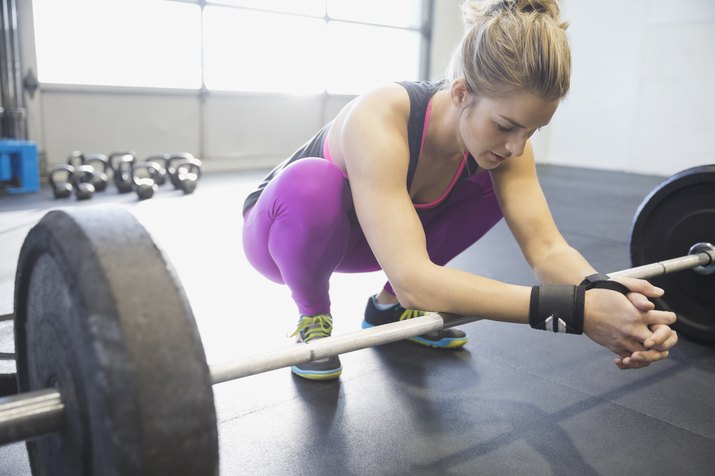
[557, 308]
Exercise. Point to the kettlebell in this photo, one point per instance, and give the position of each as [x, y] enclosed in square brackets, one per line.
[100, 164]
[83, 182]
[188, 174]
[171, 165]
[143, 174]
[122, 167]
[75, 158]
[114, 157]
[160, 163]
[60, 179]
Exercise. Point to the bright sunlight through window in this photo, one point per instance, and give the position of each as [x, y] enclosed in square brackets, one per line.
[118, 43]
[284, 46]
[257, 51]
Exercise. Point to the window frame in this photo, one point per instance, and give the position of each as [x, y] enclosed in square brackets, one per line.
[423, 67]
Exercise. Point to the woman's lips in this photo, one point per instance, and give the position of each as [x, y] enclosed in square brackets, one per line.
[496, 158]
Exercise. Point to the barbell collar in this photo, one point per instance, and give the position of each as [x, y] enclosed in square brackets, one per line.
[709, 249]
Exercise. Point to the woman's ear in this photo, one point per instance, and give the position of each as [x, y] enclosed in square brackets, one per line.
[459, 93]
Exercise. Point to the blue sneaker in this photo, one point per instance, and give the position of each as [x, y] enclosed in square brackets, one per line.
[441, 339]
[316, 327]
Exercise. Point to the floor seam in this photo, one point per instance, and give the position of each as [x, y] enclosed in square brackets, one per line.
[601, 399]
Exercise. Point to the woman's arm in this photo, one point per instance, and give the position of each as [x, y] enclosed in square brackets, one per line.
[374, 147]
[376, 153]
[619, 324]
[527, 213]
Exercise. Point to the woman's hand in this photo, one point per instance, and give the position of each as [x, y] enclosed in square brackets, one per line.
[629, 325]
[658, 347]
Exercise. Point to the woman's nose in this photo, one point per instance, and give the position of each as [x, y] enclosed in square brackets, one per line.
[516, 146]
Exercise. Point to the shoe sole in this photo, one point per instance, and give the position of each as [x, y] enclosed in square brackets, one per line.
[445, 343]
[317, 374]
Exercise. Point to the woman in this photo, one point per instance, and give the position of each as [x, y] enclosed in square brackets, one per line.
[409, 175]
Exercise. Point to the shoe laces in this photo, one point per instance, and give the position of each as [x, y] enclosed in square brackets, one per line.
[314, 327]
[410, 314]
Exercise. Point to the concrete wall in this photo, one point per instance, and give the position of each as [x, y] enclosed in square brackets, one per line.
[642, 95]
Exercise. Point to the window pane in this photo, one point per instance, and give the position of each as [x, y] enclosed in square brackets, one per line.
[362, 56]
[118, 43]
[303, 7]
[404, 13]
[256, 51]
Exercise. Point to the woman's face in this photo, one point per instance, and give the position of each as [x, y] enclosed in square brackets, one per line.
[496, 129]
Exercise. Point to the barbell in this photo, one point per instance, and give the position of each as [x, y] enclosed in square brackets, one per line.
[111, 367]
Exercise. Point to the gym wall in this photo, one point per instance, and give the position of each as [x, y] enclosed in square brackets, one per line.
[641, 96]
[641, 99]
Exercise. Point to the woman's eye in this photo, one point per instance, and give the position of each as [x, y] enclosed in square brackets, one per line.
[503, 129]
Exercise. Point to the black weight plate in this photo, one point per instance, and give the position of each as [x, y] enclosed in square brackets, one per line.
[101, 316]
[678, 213]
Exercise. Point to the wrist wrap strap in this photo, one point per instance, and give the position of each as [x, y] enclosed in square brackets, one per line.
[612, 285]
[602, 281]
[557, 308]
[594, 278]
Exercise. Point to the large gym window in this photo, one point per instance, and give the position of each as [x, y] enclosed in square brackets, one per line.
[287, 46]
[118, 43]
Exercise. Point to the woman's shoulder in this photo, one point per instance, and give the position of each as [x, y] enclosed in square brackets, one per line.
[387, 106]
[397, 98]
[381, 112]
[388, 103]
[404, 90]
[391, 96]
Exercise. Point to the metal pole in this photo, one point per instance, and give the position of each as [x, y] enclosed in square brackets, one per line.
[342, 344]
[14, 121]
[329, 346]
[31, 414]
[704, 257]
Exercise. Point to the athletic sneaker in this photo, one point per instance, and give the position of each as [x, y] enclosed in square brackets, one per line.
[443, 338]
[310, 328]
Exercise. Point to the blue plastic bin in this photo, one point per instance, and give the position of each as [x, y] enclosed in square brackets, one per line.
[19, 167]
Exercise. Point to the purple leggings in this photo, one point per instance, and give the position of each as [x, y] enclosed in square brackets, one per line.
[300, 231]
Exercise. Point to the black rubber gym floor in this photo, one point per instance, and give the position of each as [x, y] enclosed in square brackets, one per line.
[513, 401]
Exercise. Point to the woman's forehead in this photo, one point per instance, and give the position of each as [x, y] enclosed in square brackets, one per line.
[522, 108]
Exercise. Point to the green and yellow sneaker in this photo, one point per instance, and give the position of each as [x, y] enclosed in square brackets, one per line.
[316, 327]
[441, 339]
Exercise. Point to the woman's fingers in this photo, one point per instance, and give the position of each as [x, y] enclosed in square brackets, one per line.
[654, 318]
[632, 328]
[641, 286]
[663, 338]
[658, 346]
[640, 302]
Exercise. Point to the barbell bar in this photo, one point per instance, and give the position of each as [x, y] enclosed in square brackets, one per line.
[702, 257]
[35, 413]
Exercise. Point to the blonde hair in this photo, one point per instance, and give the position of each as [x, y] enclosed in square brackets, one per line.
[513, 44]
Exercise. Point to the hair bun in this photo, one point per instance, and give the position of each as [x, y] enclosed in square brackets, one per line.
[476, 12]
[510, 45]
[499, 6]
